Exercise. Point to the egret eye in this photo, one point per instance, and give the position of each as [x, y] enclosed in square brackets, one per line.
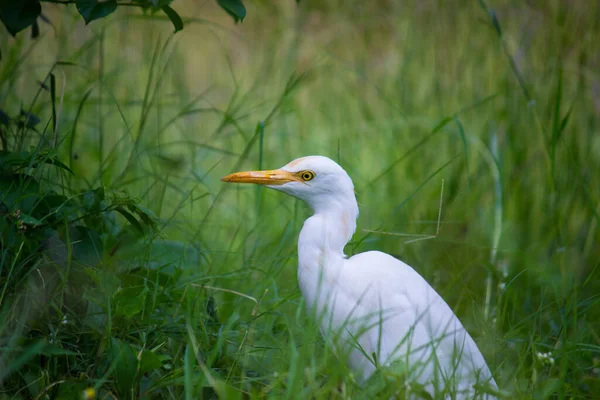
[307, 175]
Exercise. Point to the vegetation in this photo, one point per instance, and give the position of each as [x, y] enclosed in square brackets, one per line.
[127, 270]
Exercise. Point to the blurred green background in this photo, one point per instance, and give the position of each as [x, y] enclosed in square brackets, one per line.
[471, 132]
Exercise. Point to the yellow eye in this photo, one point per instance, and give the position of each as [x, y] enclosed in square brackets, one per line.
[307, 175]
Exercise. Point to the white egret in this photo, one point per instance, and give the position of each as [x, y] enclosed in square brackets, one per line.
[382, 309]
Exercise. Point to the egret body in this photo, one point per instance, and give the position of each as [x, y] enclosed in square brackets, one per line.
[377, 305]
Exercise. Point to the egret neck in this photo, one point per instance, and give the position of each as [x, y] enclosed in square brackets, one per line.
[327, 231]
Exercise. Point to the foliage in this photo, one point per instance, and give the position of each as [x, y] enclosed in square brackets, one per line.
[19, 15]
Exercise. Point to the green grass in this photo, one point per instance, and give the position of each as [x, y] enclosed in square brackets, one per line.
[502, 107]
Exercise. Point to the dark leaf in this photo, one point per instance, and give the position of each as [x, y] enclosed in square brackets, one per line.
[132, 220]
[211, 309]
[67, 63]
[93, 9]
[10, 159]
[19, 192]
[123, 357]
[35, 30]
[18, 15]
[71, 390]
[4, 118]
[235, 8]
[174, 17]
[146, 215]
[54, 161]
[23, 159]
[92, 199]
[29, 220]
[54, 350]
[87, 245]
[58, 206]
[53, 99]
[46, 157]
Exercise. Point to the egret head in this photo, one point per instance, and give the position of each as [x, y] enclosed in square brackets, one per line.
[317, 180]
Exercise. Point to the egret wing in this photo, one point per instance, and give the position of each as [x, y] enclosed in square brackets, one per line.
[402, 318]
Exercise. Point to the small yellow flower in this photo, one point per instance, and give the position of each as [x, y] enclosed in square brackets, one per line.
[89, 394]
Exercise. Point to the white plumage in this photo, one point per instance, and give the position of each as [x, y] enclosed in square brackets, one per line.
[373, 307]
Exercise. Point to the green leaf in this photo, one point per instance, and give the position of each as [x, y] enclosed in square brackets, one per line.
[132, 220]
[174, 17]
[29, 220]
[10, 160]
[87, 245]
[18, 15]
[70, 390]
[147, 216]
[548, 387]
[19, 192]
[52, 160]
[149, 362]
[123, 357]
[130, 301]
[235, 8]
[93, 9]
[92, 199]
[53, 350]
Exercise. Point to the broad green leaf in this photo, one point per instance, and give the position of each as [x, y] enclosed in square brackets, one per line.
[235, 8]
[14, 159]
[548, 388]
[19, 14]
[123, 357]
[29, 220]
[94, 9]
[55, 207]
[92, 199]
[87, 245]
[174, 17]
[130, 301]
[19, 192]
[70, 390]
[149, 362]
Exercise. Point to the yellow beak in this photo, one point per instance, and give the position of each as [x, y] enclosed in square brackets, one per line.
[272, 177]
